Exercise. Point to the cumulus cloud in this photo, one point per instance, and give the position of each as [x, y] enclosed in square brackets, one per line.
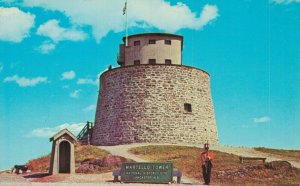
[52, 30]
[75, 94]
[89, 108]
[87, 81]
[46, 47]
[56, 33]
[26, 82]
[264, 119]
[15, 24]
[285, 1]
[68, 75]
[106, 15]
[209, 13]
[48, 132]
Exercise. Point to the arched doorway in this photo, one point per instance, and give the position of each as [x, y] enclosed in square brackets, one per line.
[64, 157]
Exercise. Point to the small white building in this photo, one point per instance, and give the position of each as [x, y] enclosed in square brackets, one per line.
[62, 155]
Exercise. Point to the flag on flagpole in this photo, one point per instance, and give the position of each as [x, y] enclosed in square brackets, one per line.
[124, 9]
[126, 22]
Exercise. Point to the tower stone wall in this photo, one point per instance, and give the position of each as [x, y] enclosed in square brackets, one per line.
[155, 103]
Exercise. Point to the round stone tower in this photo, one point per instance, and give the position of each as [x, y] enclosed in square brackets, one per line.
[152, 97]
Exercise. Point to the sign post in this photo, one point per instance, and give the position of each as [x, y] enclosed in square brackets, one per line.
[147, 172]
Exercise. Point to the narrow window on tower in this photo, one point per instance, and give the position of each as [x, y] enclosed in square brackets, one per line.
[187, 107]
[152, 41]
[152, 61]
[168, 61]
[137, 43]
[168, 42]
[137, 62]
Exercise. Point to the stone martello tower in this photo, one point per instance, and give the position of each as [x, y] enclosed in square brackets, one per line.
[152, 97]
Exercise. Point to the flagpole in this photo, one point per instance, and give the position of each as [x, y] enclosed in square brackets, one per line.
[126, 24]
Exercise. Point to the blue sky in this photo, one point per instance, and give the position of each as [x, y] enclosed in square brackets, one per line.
[51, 53]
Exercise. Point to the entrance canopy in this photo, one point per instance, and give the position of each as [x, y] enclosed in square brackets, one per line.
[62, 133]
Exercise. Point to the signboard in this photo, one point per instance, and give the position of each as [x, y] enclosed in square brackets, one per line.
[147, 172]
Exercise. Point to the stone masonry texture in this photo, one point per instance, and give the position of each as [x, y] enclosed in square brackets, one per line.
[145, 103]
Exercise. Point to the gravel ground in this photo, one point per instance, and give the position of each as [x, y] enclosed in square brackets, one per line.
[11, 178]
[78, 179]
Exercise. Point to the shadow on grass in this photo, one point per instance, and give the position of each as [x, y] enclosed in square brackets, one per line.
[37, 175]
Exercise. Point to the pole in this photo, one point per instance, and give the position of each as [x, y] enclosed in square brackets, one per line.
[126, 23]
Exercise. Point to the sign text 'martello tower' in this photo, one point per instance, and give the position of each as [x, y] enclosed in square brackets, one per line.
[152, 97]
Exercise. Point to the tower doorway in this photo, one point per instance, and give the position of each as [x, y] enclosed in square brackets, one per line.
[64, 157]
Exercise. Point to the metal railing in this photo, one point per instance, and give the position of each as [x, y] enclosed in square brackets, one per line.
[87, 128]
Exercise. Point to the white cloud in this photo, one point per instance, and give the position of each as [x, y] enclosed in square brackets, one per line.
[46, 47]
[48, 132]
[68, 75]
[75, 94]
[26, 82]
[264, 119]
[285, 1]
[87, 81]
[89, 108]
[209, 13]
[15, 24]
[52, 30]
[106, 15]
[1, 67]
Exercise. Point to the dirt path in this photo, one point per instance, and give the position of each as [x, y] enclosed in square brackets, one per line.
[122, 150]
[104, 179]
[8, 178]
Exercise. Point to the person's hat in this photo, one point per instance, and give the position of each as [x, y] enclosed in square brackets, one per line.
[206, 146]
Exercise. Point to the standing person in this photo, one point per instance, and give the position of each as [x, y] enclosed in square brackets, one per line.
[206, 158]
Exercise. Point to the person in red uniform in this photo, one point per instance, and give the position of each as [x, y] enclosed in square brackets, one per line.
[206, 162]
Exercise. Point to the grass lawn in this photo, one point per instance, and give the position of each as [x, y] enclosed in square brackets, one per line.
[187, 160]
[284, 154]
[82, 152]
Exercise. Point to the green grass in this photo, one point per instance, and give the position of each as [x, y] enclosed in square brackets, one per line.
[284, 154]
[187, 159]
[83, 152]
[40, 164]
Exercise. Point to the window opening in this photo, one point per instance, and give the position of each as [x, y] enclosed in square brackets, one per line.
[152, 61]
[187, 107]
